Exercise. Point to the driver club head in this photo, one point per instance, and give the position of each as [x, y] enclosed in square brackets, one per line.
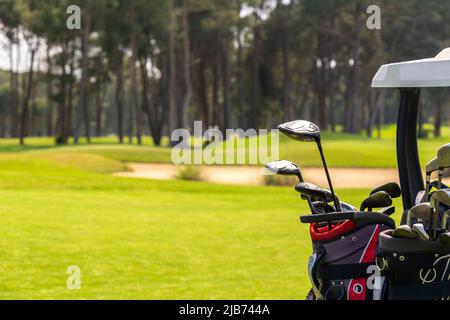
[380, 199]
[301, 130]
[405, 232]
[420, 230]
[283, 167]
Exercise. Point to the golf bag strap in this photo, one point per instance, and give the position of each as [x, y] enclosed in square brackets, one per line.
[343, 271]
[428, 291]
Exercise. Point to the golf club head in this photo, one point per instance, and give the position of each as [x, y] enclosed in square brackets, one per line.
[432, 166]
[440, 196]
[438, 185]
[405, 232]
[313, 191]
[445, 238]
[420, 230]
[347, 207]
[389, 211]
[444, 156]
[301, 130]
[445, 217]
[391, 188]
[381, 199]
[420, 212]
[283, 167]
[319, 207]
[421, 197]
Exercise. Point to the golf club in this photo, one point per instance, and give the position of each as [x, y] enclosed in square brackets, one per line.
[306, 131]
[421, 196]
[431, 167]
[391, 188]
[444, 161]
[285, 168]
[440, 196]
[405, 232]
[445, 238]
[421, 212]
[319, 207]
[380, 199]
[445, 220]
[389, 211]
[288, 168]
[313, 191]
[420, 230]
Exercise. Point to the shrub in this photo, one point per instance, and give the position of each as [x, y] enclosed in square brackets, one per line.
[190, 173]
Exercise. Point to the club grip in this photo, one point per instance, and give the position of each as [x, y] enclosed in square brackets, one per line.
[327, 217]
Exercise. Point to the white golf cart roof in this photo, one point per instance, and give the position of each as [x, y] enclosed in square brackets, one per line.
[434, 72]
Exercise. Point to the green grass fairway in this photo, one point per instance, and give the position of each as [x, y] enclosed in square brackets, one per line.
[141, 239]
[342, 150]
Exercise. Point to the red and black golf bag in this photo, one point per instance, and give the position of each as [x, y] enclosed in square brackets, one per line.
[344, 254]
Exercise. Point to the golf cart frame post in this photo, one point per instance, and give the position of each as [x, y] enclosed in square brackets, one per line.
[410, 77]
[408, 162]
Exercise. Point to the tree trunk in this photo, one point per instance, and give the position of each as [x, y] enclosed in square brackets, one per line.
[225, 85]
[119, 97]
[287, 107]
[321, 96]
[67, 123]
[355, 74]
[154, 121]
[13, 96]
[376, 111]
[98, 111]
[98, 100]
[202, 91]
[381, 117]
[215, 93]
[82, 108]
[133, 91]
[253, 116]
[26, 102]
[239, 76]
[60, 129]
[15, 115]
[186, 98]
[438, 117]
[32, 130]
[172, 81]
[49, 94]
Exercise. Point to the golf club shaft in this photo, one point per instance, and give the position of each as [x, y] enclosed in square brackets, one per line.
[427, 188]
[337, 205]
[300, 178]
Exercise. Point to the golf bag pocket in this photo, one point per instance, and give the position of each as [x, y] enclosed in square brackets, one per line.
[344, 254]
[415, 269]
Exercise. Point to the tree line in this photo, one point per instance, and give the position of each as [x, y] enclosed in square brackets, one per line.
[147, 67]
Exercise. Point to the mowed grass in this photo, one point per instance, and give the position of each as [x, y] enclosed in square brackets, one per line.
[342, 150]
[143, 239]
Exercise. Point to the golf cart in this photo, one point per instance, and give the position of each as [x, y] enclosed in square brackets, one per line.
[416, 263]
[412, 259]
